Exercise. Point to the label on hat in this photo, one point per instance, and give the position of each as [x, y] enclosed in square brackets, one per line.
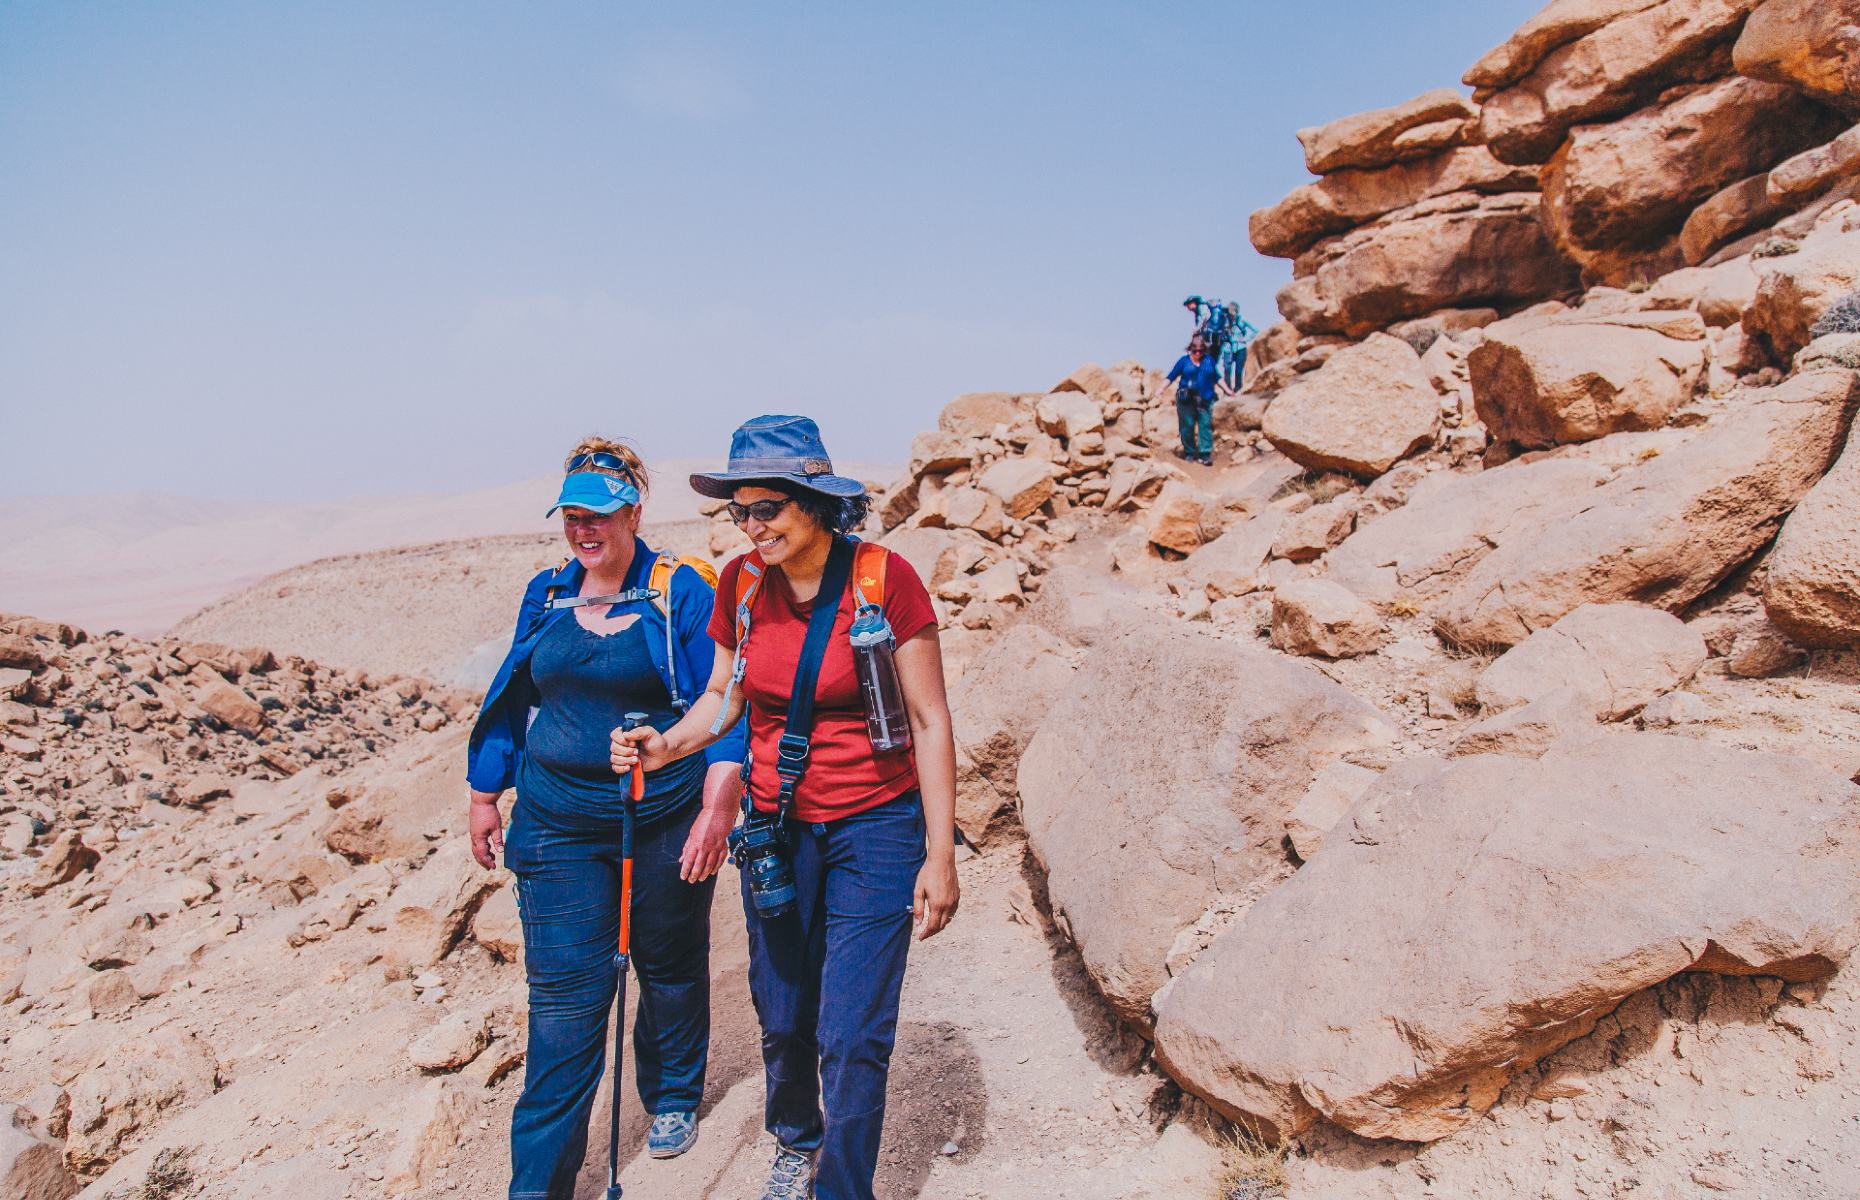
[613, 485]
[816, 466]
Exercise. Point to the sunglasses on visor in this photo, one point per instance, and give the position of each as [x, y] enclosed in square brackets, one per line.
[600, 458]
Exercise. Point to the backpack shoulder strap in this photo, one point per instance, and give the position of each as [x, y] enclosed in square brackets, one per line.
[749, 574]
[869, 573]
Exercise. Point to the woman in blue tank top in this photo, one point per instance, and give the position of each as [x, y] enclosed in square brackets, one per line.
[573, 672]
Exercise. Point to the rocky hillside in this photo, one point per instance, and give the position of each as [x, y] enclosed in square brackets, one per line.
[1450, 793]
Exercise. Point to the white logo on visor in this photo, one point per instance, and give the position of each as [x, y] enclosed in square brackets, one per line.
[613, 486]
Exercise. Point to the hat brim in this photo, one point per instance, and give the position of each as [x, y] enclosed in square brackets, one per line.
[722, 485]
[606, 509]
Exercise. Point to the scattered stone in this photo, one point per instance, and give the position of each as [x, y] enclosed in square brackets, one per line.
[1615, 657]
[430, 1132]
[224, 702]
[111, 993]
[135, 1085]
[1761, 650]
[64, 860]
[1338, 785]
[31, 1166]
[1528, 730]
[1674, 708]
[452, 1043]
[1316, 616]
[1183, 518]
[430, 909]
[498, 926]
[1022, 484]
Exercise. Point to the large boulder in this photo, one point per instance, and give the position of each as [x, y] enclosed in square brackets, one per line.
[131, 1088]
[1554, 25]
[1729, 215]
[1349, 198]
[975, 414]
[1463, 250]
[1807, 44]
[1794, 182]
[1023, 484]
[996, 707]
[1794, 290]
[1571, 378]
[1451, 521]
[1628, 184]
[1431, 121]
[1366, 408]
[1470, 917]
[1664, 532]
[1614, 657]
[1812, 588]
[1140, 835]
[1612, 70]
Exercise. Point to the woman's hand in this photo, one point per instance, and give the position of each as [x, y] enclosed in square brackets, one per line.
[487, 830]
[707, 845]
[938, 893]
[645, 746]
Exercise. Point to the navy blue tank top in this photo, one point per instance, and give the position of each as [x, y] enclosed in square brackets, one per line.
[588, 682]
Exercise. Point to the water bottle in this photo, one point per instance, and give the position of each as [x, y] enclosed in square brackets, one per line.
[874, 662]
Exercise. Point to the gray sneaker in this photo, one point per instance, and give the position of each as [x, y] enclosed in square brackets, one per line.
[792, 1176]
[671, 1134]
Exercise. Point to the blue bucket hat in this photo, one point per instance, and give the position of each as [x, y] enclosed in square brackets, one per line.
[595, 492]
[776, 449]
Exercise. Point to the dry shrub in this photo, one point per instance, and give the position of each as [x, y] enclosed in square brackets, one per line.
[170, 1174]
[1843, 317]
[1252, 1168]
[1776, 247]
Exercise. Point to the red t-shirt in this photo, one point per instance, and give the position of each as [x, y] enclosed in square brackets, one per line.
[844, 774]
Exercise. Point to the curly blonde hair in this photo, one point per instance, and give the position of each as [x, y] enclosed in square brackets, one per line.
[595, 444]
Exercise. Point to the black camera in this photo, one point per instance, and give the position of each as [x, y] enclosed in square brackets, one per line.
[757, 849]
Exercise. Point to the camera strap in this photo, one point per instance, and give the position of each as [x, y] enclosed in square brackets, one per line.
[791, 752]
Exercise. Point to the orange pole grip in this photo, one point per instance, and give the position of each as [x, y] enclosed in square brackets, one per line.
[626, 905]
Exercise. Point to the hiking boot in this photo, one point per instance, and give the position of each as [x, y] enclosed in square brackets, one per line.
[792, 1176]
[671, 1134]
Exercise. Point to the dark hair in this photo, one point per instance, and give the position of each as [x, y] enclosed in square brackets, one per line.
[835, 514]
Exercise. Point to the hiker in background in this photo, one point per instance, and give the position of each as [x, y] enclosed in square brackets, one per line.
[616, 628]
[847, 844]
[1197, 381]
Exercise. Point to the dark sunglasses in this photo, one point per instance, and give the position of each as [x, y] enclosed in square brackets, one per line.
[761, 510]
[601, 458]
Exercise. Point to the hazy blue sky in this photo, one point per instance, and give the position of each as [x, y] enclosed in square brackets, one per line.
[307, 250]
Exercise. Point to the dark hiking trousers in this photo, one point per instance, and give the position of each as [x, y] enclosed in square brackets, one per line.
[1194, 418]
[568, 893]
[826, 982]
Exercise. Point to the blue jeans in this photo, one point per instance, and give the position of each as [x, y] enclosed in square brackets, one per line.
[1194, 420]
[826, 982]
[568, 893]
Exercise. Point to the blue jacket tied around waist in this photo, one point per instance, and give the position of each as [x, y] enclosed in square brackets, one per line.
[497, 736]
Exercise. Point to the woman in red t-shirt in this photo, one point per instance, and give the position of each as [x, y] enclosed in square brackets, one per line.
[870, 836]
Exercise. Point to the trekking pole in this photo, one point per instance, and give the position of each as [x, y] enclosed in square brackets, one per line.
[636, 791]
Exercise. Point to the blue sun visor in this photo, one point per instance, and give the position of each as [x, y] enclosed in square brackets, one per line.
[595, 492]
